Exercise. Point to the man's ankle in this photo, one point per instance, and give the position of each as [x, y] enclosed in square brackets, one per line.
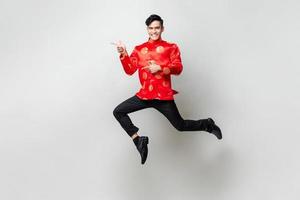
[134, 136]
[136, 140]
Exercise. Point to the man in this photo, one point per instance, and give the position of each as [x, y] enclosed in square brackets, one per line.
[155, 60]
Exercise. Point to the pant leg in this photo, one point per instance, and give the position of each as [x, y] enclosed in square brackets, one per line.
[170, 111]
[123, 109]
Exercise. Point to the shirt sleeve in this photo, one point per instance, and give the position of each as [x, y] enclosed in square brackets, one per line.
[175, 65]
[129, 63]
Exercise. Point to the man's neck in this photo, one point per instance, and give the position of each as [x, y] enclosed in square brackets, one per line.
[155, 41]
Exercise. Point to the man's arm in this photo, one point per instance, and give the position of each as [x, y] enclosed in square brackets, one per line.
[175, 65]
[129, 63]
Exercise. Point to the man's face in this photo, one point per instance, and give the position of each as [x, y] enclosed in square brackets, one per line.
[155, 30]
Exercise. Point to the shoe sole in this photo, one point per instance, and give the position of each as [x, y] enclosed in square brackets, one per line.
[218, 134]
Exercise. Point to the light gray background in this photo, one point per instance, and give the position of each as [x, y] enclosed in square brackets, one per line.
[60, 80]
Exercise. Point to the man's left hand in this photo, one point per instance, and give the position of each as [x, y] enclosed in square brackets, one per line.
[152, 67]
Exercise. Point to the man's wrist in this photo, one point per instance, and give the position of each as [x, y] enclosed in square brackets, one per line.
[123, 55]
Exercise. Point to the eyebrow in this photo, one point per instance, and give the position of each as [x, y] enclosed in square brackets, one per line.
[154, 26]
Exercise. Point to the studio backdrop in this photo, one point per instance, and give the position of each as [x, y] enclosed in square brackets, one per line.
[60, 79]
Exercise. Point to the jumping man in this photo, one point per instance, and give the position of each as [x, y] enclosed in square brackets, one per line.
[155, 60]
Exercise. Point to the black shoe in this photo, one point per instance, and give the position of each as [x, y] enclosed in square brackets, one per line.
[213, 128]
[143, 148]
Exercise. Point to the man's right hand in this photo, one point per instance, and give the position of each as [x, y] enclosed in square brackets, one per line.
[121, 48]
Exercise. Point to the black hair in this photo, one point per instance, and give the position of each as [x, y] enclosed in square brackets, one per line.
[152, 18]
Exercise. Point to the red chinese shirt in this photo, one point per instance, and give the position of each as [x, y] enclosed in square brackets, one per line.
[157, 85]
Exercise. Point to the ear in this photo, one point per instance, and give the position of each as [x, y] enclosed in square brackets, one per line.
[162, 29]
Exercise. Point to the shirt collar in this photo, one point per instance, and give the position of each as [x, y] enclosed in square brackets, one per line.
[155, 41]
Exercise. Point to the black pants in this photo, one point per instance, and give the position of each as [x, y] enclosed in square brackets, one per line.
[167, 107]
